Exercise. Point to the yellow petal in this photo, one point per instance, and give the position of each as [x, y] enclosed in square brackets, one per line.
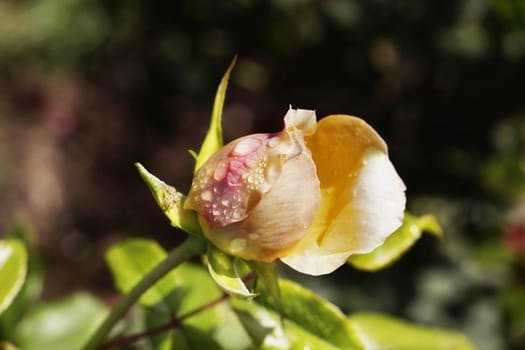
[362, 197]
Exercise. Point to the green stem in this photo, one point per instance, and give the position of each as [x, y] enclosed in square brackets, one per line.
[185, 251]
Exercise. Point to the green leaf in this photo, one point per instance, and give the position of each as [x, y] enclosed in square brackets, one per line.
[219, 320]
[7, 346]
[33, 284]
[130, 260]
[269, 332]
[397, 243]
[308, 320]
[61, 325]
[171, 203]
[194, 289]
[223, 269]
[212, 324]
[213, 140]
[13, 269]
[514, 301]
[254, 319]
[378, 331]
[189, 338]
[185, 289]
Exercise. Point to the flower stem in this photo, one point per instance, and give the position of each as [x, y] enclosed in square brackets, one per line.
[183, 252]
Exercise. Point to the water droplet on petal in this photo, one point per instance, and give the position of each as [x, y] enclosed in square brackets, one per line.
[238, 245]
[220, 171]
[273, 142]
[251, 162]
[206, 196]
[237, 213]
[233, 179]
[246, 146]
[236, 164]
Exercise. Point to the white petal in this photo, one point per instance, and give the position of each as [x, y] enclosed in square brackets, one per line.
[377, 202]
[278, 220]
[302, 119]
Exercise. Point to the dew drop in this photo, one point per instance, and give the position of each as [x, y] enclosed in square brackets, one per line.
[273, 142]
[233, 179]
[216, 212]
[251, 162]
[414, 230]
[246, 146]
[220, 171]
[237, 214]
[238, 245]
[206, 195]
[236, 164]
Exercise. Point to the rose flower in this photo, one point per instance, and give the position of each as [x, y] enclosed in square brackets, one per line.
[310, 195]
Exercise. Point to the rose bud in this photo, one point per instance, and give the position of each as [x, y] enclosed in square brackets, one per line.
[310, 195]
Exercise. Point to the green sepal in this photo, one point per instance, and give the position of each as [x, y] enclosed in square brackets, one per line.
[380, 331]
[13, 270]
[193, 154]
[225, 271]
[213, 140]
[397, 243]
[171, 203]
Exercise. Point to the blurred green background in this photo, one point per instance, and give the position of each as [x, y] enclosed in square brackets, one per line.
[88, 87]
